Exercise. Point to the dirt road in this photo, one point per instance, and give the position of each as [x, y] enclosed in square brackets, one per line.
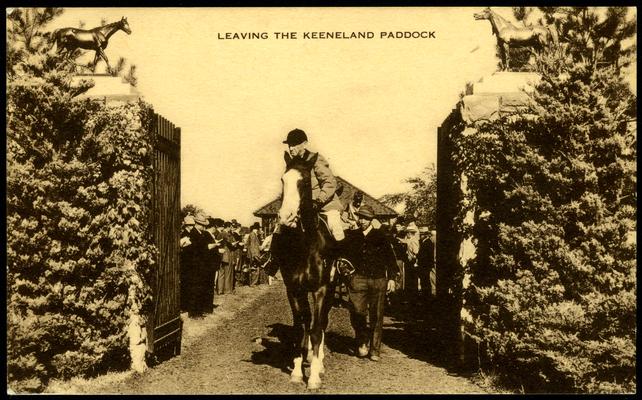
[240, 349]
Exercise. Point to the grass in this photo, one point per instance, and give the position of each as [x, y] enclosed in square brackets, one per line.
[492, 381]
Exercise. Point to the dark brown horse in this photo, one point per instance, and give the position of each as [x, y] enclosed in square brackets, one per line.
[69, 39]
[302, 247]
[536, 37]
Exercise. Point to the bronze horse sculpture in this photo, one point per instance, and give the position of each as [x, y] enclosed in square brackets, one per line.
[302, 247]
[69, 39]
[508, 35]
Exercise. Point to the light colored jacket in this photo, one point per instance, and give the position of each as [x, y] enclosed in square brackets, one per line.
[324, 184]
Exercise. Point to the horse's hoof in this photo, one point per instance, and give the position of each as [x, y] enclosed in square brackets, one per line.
[296, 379]
[314, 385]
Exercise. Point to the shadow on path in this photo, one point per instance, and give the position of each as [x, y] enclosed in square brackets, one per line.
[337, 343]
[411, 328]
[278, 348]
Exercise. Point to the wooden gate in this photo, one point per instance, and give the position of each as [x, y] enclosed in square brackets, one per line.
[164, 326]
[449, 273]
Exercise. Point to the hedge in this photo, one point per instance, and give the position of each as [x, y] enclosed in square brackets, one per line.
[553, 283]
[79, 250]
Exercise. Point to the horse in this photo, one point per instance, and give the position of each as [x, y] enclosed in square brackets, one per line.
[69, 39]
[508, 35]
[304, 245]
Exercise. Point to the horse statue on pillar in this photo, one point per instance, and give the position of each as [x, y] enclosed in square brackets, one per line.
[536, 37]
[302, 245]
[69, 39]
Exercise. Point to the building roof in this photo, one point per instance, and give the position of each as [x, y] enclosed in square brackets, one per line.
[271, 209]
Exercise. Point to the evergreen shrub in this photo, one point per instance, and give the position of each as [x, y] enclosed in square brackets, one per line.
[553, 283]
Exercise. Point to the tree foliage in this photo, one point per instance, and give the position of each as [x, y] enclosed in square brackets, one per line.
[420, 201]
[592, 34]
[26, 35]
[553, 286]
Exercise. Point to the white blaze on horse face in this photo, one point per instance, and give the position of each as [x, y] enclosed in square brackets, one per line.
[291, 199]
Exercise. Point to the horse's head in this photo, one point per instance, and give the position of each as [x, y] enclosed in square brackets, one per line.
[124, 25]
[497, 22]
[297, 190]
[485, 14]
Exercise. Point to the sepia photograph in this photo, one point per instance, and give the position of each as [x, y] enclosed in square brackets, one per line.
[321, 200]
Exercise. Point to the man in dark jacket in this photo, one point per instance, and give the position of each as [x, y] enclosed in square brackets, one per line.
[194, 256]
[225, 282]
[214, 259]
[375, 272]
[425, 263]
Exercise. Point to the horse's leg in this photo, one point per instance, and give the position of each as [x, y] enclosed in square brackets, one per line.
[96, 56]
[502, 55]
[506, 56]
[301, 320]
[323, 320]
[104, 57]
[325, 311]
[316, 334]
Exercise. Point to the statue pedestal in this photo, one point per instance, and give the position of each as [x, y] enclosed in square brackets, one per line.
[497, 94]
[506, 82]
[107, 87]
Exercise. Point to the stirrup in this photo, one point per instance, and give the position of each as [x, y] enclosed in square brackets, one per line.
[344, 266]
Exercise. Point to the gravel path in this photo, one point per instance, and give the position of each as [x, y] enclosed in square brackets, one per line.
[239, 349]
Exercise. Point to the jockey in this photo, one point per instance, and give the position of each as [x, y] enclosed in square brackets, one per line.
[324, 186]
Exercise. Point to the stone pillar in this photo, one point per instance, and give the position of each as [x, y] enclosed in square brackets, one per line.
[137, 343]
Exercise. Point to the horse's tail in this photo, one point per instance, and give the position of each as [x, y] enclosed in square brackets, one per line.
[53, 38]
[56, 39]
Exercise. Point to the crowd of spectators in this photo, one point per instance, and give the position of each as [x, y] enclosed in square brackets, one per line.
[414, 249]
[216, 257]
